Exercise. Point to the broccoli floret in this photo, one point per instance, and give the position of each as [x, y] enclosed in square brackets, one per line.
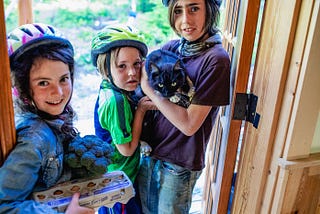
[87, 159]
[99, 166]
[97, 151]
[91, 140]
[72, 146]
[72, 160]
[80, 149]
[90, 152]
[107, 149]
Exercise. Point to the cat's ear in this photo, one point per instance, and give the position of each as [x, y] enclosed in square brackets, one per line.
[154, 70]
[178, 65]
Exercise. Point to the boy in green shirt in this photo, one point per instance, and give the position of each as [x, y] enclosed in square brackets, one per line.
[118, 53]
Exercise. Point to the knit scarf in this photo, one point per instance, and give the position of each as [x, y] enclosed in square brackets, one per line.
[187, 48]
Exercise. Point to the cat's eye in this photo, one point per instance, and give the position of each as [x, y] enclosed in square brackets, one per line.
[160, 85]
[173, 84]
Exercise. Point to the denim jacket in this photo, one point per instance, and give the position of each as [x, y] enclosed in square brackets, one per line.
[36, 163]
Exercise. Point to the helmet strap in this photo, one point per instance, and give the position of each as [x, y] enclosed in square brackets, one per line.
[108, 65]
[113, 86]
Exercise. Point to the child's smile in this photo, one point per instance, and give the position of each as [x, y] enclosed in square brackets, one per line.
[190, 18]
[50, 85]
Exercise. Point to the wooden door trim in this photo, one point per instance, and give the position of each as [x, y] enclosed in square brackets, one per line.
[271, 196]
[271, 67]
[307, 84]
[7, 128]
[243, 64]
[25, 12]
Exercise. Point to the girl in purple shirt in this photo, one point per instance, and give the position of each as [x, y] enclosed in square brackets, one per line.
[179, 136]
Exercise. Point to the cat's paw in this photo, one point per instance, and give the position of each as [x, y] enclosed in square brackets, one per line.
[175, 98]
[145, 149]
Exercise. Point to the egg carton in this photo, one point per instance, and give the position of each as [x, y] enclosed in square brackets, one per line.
[110, 188]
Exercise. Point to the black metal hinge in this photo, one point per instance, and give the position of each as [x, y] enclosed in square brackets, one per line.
[245, 108]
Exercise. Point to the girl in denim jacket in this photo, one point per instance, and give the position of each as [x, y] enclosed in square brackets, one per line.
[42, 68]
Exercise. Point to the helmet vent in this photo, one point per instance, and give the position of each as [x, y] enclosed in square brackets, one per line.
[51, 29]
[40, 29]
[14, 37]
[27, 31]
[105, 37]
[119, 30]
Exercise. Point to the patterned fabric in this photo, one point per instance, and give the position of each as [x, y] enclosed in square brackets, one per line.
[109, 120]
[30, 36]
[109, 126]
[194, 48]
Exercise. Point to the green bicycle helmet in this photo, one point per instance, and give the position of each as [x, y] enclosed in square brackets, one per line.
[29, 36]
[114, 36]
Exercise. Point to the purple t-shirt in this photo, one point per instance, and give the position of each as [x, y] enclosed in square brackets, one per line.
[210, 74]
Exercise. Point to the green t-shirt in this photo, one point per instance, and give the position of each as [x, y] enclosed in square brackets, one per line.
[109, 120]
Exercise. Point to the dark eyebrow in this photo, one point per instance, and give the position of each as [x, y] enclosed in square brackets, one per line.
[40, 79]
[192, 4]
[189, 5]
[65, 75]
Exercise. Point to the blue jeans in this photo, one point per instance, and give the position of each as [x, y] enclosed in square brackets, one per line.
[131, 207]
[165, 187]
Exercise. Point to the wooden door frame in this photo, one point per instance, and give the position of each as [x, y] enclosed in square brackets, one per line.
[7, 127]
[241, 64]
[273, 186]
[270, 75]
[25, 12]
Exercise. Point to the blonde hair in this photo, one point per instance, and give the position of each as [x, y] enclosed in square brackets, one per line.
[102, 62]
[101, 65]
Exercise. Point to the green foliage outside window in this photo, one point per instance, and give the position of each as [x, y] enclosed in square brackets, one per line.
[81, 21]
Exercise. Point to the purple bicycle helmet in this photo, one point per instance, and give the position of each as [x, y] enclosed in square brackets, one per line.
[29, 36]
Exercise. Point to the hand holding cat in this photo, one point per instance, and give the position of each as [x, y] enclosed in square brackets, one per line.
[146, 104]
[144, 80]
[145, 85]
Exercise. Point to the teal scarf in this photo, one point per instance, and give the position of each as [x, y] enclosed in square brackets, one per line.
[187, 48]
